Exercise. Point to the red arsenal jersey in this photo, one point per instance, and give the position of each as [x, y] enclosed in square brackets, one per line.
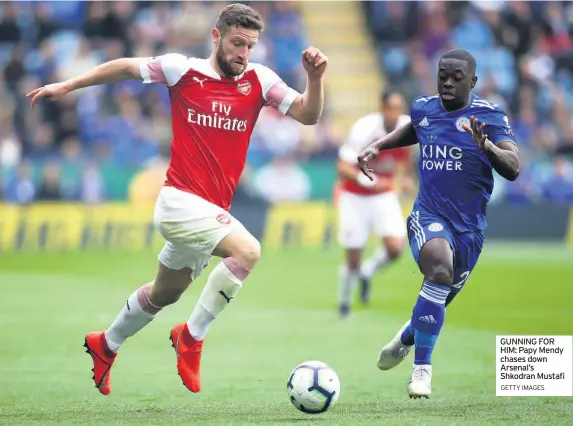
[365, 131]
[212, 121]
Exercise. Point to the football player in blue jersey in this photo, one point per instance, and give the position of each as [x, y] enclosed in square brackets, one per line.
[462, 137]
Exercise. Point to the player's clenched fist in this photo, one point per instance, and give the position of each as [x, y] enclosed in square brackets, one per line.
[368, 154]
[314, 62]
[52, 91]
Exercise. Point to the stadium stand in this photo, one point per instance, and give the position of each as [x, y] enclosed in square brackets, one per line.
[524, 52]
[111, 143]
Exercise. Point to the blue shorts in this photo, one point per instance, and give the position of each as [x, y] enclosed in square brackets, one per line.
[424, 226]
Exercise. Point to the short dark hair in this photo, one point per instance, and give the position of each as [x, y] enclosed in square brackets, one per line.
[239, 15]
[462, 55]
[387, 93]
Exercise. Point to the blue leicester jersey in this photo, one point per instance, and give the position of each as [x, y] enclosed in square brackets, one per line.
[456, 177]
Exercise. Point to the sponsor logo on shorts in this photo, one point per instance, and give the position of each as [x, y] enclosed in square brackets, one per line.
[224, 219]
[436, 227]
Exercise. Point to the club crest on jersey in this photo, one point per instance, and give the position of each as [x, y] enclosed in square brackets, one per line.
[245, 87]
[435, 227]
[460, 122]
[223, 219]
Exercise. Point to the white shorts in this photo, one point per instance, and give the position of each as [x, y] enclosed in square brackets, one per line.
[361, 215]
[192, 226]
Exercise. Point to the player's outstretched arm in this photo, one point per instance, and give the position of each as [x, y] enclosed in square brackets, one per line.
[109, 72]
[402, 136]
[502, 156]
[307, 108]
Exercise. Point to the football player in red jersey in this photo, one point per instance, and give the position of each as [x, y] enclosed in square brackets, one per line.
[371, 206]
[215, 103]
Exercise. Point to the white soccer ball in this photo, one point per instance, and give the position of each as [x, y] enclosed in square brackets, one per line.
[313, 387]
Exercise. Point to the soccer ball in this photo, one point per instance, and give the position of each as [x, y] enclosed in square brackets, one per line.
[313, 387]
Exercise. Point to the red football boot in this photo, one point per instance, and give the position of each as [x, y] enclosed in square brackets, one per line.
[188, 351]
[103, 359]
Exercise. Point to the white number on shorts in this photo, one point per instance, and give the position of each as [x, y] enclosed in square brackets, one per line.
[464, 277]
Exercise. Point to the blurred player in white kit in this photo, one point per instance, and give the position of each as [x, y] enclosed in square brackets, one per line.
[368, 207]
[215, 103]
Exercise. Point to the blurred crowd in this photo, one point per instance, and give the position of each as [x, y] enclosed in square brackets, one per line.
[75, 148]
[524, 54]
[86, 145]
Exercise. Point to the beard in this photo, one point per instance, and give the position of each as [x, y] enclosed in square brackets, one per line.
[225, 67]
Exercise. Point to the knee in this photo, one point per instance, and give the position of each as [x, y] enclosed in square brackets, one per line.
[353, 260]
[437, 261]
[248, 255]
[353, 265]
[440, 273]
[394, 247]
[394, 251]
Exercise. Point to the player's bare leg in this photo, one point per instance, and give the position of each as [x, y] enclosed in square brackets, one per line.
[139, 310]
[349, 274]
[389, 251]
[240, 252]
[437, 264]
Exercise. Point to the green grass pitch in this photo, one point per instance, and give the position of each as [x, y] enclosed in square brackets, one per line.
[285, 315]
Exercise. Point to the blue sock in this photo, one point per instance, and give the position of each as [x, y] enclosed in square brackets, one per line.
[427, 320]
[407, 336]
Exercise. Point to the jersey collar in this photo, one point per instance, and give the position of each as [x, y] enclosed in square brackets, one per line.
[472, 96]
